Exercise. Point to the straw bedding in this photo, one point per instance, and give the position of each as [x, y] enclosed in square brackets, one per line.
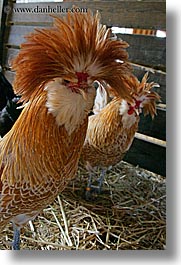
[129, 214]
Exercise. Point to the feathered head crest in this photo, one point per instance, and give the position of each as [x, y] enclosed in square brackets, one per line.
[75, 43]
[142, 94]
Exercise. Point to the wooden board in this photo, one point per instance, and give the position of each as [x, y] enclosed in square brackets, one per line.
[9, 75]
[2, 27]
[15, 34]
[146, 50]
[138, 14]
[147, 155]
[1, 7]
[155, 128]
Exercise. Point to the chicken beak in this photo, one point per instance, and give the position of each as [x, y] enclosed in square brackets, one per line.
[83, 92]
[138, 111]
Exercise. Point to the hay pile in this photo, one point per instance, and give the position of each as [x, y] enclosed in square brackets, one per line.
[130, 214]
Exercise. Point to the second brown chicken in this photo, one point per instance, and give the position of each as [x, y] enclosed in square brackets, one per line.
[111, 130]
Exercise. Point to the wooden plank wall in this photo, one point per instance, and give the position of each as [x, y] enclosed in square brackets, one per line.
[146, 53]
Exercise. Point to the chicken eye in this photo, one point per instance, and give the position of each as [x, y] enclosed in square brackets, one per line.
[66, 82]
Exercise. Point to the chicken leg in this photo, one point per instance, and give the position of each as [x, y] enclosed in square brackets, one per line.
[92, 189]
[16, 238]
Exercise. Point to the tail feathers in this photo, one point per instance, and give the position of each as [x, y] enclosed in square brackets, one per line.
[101, 100]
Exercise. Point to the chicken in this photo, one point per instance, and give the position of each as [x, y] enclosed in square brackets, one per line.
[55, 70]
[9, 111]
[111, 131]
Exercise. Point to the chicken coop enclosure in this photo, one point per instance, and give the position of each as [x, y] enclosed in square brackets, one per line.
[143, 25]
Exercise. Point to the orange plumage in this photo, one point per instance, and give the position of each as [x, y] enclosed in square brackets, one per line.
[111, 131]
[55, 71]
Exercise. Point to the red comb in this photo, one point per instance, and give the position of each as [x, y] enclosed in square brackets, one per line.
[82, 77]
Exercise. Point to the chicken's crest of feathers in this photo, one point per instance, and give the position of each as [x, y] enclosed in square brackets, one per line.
[76, 43]
[140, 91]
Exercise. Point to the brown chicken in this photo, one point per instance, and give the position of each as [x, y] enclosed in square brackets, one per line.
[111, 131]
[55, 71]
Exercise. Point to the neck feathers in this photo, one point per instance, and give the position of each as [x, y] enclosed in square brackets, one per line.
[68, 108]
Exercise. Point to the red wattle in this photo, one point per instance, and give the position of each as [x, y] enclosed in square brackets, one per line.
[131, 110]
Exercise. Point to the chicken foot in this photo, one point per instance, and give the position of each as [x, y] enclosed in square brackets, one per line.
[93, 189]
